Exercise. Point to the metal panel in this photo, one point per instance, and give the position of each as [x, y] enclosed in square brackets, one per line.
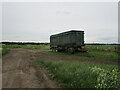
[65, 38]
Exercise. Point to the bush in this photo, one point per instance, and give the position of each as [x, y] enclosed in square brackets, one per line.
[107, 79]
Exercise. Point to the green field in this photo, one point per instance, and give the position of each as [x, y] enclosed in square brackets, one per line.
[0, 50]
[108, 52]
[6, 48]
[80, 74]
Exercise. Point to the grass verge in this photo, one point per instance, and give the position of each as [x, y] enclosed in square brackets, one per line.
[32, 47]
[110, 56]
[83, 74]
[5, 51]
[107, 52]
[6, 48]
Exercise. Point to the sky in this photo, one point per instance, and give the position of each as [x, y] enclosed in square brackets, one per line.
[36, 21]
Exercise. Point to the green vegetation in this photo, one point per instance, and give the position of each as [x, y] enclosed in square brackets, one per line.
[0, 50]
[32, 47]
[108, 52]
[6, 48]
[5, 51]
[105, 48]
[107, 78]
[82, 74]
[113, 56]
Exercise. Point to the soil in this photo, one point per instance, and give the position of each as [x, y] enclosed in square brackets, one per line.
[44, 55]
[20, 71]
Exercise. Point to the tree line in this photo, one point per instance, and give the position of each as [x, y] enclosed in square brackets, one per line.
[46, 43]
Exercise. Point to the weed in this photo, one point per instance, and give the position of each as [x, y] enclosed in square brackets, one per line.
[78, 74]
[107, 79]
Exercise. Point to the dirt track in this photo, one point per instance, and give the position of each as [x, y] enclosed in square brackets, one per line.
[19, 70]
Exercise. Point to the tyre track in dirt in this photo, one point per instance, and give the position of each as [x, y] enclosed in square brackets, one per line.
[44, 55]
[19, 71]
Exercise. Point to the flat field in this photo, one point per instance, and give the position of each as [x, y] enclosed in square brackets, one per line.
[36, 66]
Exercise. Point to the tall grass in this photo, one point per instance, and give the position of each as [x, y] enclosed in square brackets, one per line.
[82, 74]
[109, 52]
[5, 51]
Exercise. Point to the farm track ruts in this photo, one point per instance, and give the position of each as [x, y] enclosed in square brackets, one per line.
[19, 70]
[44, 55]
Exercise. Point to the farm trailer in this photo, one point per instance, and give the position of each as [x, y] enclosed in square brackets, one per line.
[70, 41]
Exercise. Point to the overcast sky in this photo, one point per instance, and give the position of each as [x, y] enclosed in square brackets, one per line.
[36, 21]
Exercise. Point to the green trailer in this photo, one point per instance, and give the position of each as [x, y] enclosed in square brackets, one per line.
[69, 41]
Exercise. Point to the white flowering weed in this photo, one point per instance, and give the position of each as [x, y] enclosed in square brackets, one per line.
[106, 79]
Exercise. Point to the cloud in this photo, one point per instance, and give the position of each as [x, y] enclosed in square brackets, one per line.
[106, 38]
[62, 12]
[37, 21]
[109, 39]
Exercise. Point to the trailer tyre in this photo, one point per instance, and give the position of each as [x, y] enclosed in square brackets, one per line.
[56, 50]
[71, 50]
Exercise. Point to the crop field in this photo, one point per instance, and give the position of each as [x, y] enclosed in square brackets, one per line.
[109, 52]
[96, 68]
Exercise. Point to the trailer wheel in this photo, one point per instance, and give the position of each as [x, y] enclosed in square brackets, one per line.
[56, 50]
[71, 50]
